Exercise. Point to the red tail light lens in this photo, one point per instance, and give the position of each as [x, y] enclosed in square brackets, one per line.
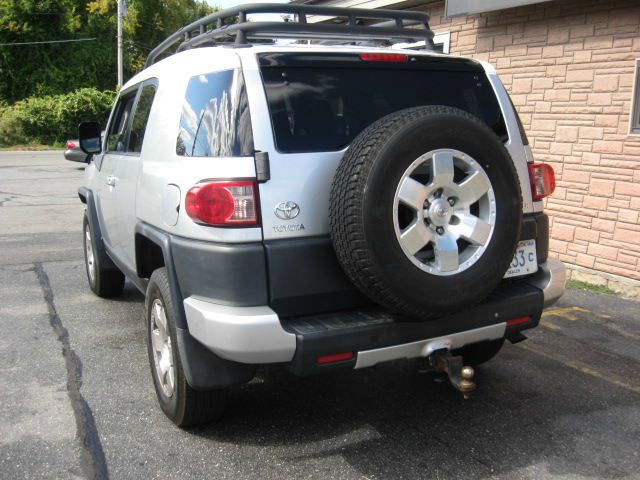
[518, 321]
[223, 204]
[384, 57]
[70, 145]
[543, 180]
[338, 357]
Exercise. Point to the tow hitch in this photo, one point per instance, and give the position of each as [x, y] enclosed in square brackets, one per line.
[460, 375]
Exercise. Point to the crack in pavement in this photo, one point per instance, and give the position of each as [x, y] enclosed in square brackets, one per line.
[92, 459]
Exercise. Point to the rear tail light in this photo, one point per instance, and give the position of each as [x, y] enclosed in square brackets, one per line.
[70, 145]
[224, 203]
[543, 180]
[384, 57]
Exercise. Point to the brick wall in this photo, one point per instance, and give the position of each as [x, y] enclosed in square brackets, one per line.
[569, 66]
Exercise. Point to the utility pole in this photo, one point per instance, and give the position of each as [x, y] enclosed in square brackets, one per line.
[119, 41]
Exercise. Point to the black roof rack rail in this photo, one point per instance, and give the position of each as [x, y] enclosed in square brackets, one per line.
[397, 25]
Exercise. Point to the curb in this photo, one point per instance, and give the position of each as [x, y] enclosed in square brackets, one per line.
[625, 287]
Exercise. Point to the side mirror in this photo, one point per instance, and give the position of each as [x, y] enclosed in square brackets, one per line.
[90, 138]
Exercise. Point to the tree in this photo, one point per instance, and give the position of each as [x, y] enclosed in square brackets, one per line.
[149, 22]
[42, 69]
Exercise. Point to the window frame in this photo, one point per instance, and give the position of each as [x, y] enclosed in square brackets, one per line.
[634, 113]
[149, 82]
[127, 131]
[114, 114]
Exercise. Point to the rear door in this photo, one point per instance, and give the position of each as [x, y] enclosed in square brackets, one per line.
[317, 103]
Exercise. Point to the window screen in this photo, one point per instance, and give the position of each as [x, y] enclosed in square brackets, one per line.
[215, 119]
[323, 109]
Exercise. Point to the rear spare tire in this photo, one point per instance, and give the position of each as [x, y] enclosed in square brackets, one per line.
[425, 211]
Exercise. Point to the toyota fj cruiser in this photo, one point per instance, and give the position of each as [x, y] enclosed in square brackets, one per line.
[333, 204]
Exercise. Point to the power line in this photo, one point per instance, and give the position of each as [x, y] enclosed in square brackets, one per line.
[48, 41]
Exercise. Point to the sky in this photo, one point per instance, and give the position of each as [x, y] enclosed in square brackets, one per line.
[233, 3]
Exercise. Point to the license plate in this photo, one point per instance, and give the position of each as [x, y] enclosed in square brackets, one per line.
[524, 260]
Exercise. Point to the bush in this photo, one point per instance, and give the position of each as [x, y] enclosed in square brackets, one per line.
[10, 128]
[54, 118]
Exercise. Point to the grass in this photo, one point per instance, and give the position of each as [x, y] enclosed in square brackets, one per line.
[32, 147]
[589, 287]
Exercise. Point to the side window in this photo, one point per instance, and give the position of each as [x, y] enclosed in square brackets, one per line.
[140, 118]
[116, 137]
[215, 119]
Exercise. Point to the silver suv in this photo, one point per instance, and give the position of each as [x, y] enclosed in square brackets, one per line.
[329, 204]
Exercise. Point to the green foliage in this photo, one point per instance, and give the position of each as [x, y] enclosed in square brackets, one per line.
[49, 69]
[47, 89]
[53, 118]
[148, 23]
[10, 127]
[46, 69]
[590, 287]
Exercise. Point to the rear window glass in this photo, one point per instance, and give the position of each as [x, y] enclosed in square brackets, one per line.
[315, 109]
[215, 119]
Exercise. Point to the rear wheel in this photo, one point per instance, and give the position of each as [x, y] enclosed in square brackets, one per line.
[103, 282]
[182, 404]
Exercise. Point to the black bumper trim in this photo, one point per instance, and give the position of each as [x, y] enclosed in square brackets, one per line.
[357, 331]
[227, 274]
[306, 278]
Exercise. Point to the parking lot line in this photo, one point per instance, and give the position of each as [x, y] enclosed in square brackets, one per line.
[583, 368]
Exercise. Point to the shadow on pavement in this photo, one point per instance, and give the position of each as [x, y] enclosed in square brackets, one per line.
[528, 413]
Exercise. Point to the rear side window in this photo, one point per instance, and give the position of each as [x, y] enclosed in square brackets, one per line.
[215, 119]
[140, 118]
[323, 109]
[116, 137]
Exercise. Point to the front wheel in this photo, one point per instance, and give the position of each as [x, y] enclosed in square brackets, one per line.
[182, 404]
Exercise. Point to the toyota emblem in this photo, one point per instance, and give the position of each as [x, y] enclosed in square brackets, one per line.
[287, 210]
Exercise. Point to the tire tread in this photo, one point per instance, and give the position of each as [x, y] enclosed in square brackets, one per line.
[194, 407]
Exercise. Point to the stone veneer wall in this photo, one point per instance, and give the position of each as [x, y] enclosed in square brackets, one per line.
[569, 67]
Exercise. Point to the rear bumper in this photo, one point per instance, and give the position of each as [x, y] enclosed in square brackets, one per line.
[551, 279]
[256, 335]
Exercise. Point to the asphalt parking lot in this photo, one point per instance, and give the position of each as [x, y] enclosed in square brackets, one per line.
[77, 399]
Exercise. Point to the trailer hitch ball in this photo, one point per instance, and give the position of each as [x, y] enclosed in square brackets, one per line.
[466, 384]
[460, 375]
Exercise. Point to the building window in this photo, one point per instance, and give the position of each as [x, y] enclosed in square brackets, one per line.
[634, 123]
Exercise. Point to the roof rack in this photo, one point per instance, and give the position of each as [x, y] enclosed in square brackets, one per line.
[219, 25]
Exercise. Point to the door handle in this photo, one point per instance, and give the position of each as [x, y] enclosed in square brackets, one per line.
[111, 180]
